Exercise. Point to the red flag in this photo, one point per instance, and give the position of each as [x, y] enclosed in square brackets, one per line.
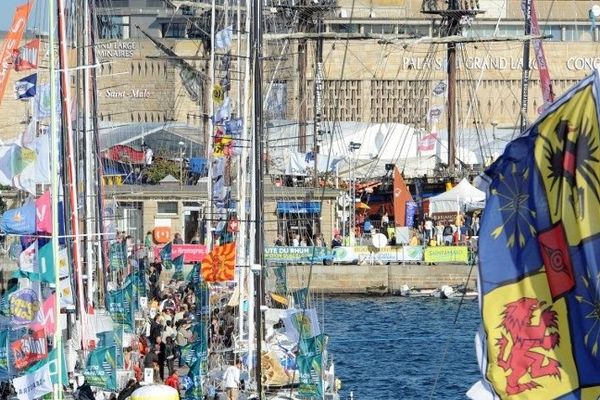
[26, 57]
[48, 323]
[427, 142]
[11, 42]
[43, 213]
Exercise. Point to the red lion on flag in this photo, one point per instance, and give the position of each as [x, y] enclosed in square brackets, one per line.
[525, 337]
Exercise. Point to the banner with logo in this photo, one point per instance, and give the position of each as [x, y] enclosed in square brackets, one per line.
[48, 322]
[450, 254]
[19, 221]
[25, 307]
[33, 385]
[11, 42]
[192, 253]
[29, 349]
[52, 362]
[26, 57]
[100, 370]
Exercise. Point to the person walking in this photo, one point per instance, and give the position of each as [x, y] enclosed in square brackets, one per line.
[231, 380]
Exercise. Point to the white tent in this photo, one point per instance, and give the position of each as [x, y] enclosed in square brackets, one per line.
[457, 199]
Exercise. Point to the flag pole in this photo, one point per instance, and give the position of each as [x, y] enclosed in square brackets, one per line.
[58, 393]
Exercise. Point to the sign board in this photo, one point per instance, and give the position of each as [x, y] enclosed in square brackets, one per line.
[450, 254]
[192, 253]
[148, 375]
[143, 302]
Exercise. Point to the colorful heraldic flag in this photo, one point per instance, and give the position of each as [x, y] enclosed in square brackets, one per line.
[540, 257]
[100, 370]
[219, 264]
[33, 385]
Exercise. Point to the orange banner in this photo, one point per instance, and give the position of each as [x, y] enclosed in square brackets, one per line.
[11, 43]
[401, 196]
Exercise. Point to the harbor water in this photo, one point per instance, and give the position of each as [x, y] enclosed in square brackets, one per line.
[405, 348]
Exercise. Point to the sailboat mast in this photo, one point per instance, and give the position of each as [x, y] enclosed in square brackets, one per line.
[54, 191]
[70, 158]
[525, 73]
[256, 43]
[451, 57]
[318, 96]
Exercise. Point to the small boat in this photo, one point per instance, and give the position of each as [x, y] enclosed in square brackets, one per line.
[407, 291]
[380, 290]
[455, 292]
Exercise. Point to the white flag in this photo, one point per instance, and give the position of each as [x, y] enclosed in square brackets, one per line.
[28, 260]
[34, 385]
[66, 293]
[223, 38]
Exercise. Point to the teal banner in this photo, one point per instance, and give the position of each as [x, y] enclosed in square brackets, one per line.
[101, 368]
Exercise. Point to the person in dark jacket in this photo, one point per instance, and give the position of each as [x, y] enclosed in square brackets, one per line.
[131, 386]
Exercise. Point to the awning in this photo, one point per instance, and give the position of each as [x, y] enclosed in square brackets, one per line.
[299, 207]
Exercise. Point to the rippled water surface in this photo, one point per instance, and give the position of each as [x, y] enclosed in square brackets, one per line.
[402, 348]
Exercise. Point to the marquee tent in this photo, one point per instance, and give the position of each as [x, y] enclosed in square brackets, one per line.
[458, 198]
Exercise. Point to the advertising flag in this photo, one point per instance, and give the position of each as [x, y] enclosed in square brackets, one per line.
[401, 197]
[539, 249]
[52, 362]
[165, 255]
[43, 213]
[4, 369]
[178, 264]
[47, 323]
[19, 221]
[223, 38]
[25, 88]
[26, 57]
[11, 42]
[28, 349]
[28, 259]
[101, 368]
[427, 142]
[24, 305]
[33, 385]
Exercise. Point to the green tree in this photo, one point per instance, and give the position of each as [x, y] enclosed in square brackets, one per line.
[160, 168]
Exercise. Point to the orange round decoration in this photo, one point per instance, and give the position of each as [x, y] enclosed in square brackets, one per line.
[219, 264]
[161, 234]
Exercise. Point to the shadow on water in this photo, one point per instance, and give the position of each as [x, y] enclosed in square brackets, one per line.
[402, 348]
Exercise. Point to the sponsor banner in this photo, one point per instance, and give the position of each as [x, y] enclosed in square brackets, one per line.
[29, 349]
[11, 43]
[33, 385]
[295, 254]
[26, 57]
[443, 254]
[192, 253]
[24, 307]
[389, 253]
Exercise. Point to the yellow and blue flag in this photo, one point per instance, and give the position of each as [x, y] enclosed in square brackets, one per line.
[539, 243]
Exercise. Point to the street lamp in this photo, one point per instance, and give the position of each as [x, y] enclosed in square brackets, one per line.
[353, 146]
[181, 152]
[494, 125]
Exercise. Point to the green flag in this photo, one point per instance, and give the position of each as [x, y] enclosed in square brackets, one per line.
[116, 256]
[101, 368]
[53, 361]
[178, 264]
[165, 256]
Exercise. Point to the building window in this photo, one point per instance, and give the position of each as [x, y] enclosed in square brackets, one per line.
[166, 207]
[173, 30]
[113, 26]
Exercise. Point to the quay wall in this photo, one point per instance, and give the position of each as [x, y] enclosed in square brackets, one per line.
[355, 279]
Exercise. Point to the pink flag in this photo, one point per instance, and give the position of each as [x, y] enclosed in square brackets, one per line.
[43, 214]
[427, 142]
[48, 322]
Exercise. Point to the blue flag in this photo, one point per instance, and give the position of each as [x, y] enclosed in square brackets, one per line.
[25, 88]
[19, 221]
[539, 245]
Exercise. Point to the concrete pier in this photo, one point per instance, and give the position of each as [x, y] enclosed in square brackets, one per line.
[355, 279]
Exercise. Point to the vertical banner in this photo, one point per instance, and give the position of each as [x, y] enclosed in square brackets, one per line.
[401, 197]
[11, 43]
[540, 57]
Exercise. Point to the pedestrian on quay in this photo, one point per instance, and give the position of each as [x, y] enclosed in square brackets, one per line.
[231, 380]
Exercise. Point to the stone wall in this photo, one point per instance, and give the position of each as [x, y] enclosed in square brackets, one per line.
[357, 278]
